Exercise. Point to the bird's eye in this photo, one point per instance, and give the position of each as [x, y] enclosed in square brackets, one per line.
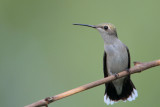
[105, 27]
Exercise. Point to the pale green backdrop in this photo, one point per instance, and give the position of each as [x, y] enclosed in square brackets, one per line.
[42, 54]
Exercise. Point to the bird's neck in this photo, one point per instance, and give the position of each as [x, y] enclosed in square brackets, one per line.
[109, 39]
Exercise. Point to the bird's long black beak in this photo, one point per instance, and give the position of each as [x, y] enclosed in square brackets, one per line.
[93, 26]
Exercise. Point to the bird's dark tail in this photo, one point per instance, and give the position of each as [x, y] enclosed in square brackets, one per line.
[129, 92]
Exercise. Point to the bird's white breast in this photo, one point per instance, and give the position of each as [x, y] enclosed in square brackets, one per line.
[117, 57]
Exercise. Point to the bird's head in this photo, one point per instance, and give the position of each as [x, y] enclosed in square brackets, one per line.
[107, 29]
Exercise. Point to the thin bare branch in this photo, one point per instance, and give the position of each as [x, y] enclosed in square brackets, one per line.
[137, 68]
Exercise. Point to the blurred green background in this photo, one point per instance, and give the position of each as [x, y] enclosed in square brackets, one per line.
[42, 54]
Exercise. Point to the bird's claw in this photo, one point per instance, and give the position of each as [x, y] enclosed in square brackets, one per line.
[116, 75]
[128, 70]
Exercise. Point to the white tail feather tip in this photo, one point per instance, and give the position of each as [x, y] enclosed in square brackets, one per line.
[130, 98]
[108, 101]
[133, 95]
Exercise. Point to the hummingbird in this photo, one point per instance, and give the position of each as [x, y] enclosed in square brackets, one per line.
[116, 59]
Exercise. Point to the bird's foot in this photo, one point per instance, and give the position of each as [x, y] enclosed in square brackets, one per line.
[116, 75]
[128, 70]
